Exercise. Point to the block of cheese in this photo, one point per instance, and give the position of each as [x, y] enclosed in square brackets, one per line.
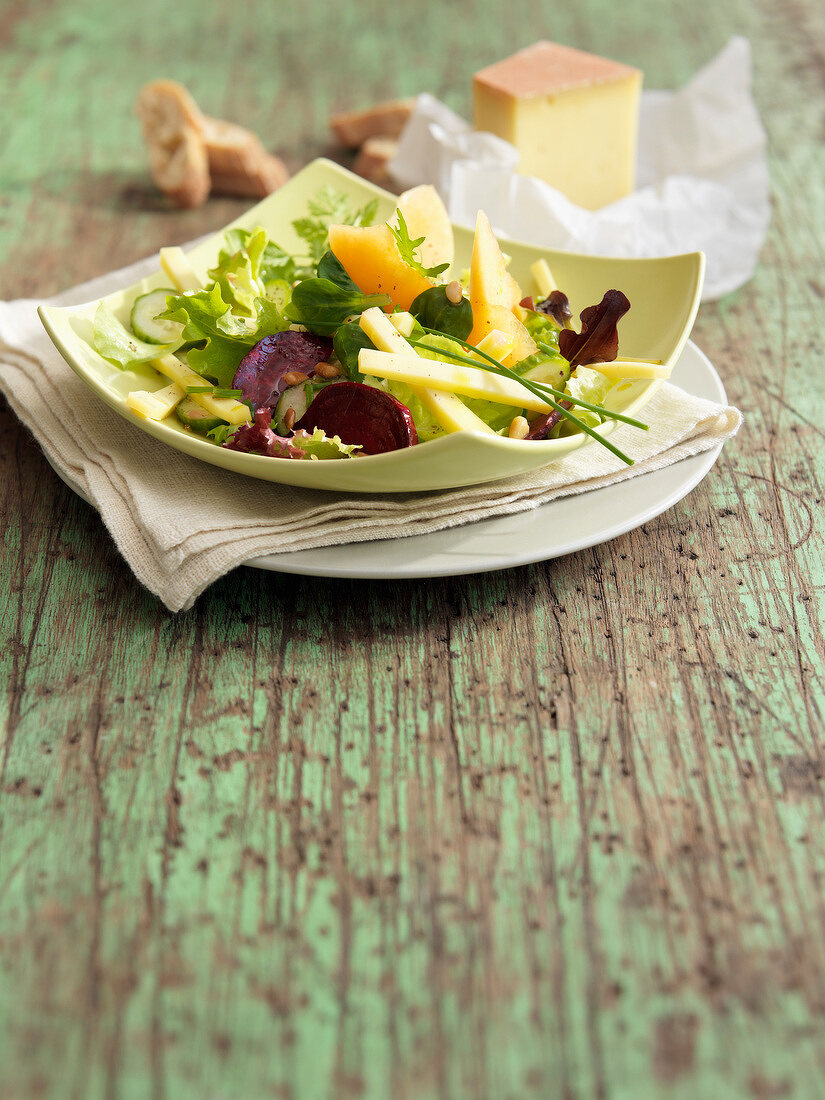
[572, 116]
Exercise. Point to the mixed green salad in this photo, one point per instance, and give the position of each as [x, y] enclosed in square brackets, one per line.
[363, 343]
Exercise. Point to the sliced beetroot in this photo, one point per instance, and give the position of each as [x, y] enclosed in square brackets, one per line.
[361, 414]
[260, 374]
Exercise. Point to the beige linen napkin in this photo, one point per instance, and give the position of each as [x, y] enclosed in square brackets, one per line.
[180, 523]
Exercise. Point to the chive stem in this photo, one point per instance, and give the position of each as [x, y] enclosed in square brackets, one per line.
[538, 389]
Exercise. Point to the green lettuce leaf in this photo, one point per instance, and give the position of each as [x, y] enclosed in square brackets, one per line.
[239, 275]
[588, 385]
[119, 345]
[319, 445]
[274, 262]
[221, 338]
[542, 326]
[221, 335]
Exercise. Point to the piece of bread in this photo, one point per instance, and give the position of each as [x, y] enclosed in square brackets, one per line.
[373, 158]
[238, 162]
[170, 120]
[353, 128]
[192, 154]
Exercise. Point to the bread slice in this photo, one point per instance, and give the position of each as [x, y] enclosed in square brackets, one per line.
[352, 128]
[192, 154]
[171, 124]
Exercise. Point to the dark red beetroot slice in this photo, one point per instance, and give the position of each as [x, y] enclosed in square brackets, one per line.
[260, 374]
[361, 414]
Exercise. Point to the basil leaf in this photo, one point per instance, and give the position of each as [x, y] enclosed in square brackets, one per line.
[330, 267]
[347, 342]
[322, 305]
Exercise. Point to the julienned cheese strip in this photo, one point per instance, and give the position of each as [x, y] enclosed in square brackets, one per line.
[629, 369]
[572, 116]
[158, 404]
[383, 333]
[546, 284]
[453, 378]
[180, 271]
[450, 412]
[227, 408]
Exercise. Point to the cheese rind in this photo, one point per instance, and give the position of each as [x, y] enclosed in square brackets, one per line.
[572, 116]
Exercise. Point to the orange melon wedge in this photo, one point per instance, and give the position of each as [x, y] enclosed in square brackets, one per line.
[370, 257]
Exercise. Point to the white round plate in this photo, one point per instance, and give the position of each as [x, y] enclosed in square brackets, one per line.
[561, 527]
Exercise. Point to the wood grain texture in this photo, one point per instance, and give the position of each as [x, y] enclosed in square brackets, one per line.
[550, 832]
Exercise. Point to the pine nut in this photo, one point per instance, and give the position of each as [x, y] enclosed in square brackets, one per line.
[519, 428]
[328, 370]
[454, 292]
[295, 378]
[289, 419]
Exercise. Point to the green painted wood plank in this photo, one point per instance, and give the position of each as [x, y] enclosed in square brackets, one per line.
[550, 832]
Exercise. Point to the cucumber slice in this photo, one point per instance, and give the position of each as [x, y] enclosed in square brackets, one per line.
[297, 398]
[278, 291]
[194, 416]
[145, 322]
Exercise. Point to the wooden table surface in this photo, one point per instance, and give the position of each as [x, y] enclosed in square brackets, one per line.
[555, 831]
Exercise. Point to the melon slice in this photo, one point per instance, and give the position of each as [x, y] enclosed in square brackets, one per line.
[490, 281]
[370, 257]
[426, 216]
[491, 318]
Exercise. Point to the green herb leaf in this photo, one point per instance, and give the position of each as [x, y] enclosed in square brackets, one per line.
[222, 432]
[407, 249]
[329, 207]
